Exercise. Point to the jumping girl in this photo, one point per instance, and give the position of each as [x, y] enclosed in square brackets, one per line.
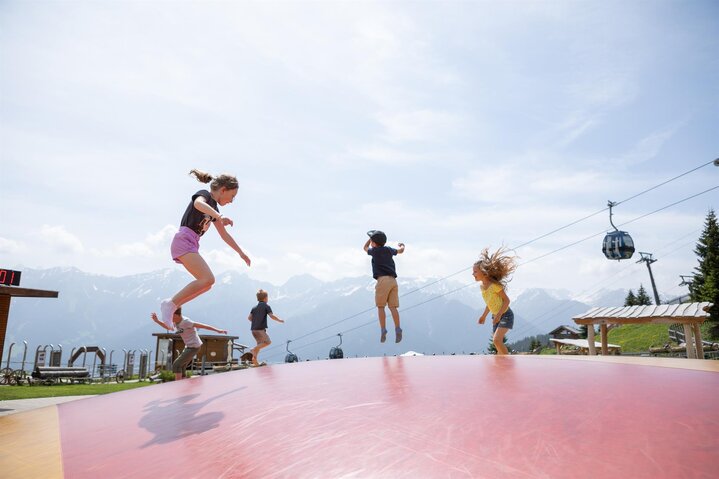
[200, 213]
[492, 271]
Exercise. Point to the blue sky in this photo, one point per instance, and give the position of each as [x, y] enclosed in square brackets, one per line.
[449, 125]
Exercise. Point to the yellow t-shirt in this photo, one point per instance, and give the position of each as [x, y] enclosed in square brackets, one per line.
[492, 297]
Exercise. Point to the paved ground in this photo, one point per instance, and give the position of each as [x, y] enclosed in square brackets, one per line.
[20, 405]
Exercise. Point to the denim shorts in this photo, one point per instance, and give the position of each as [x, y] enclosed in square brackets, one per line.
[507, 320]
[185, 241]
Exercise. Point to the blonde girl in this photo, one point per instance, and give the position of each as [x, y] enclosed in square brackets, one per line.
[492, 270]
[202, 211]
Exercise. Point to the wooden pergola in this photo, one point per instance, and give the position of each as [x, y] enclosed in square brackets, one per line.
[6, 294]
[690, 315]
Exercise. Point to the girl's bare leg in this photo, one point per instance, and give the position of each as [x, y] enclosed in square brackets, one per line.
[499, 341]
[204, 279]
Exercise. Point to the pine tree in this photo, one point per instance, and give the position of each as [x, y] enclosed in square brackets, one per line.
[643, 298]
[630, 300]
[583, 330]
[705, 284]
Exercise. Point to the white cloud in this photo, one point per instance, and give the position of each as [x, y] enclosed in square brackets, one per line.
[490, 126]
[650, 146]
[10, 247]
[155, 245]
[60, 239]
[419, 125]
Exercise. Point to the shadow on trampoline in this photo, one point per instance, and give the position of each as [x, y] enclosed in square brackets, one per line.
[173, 419]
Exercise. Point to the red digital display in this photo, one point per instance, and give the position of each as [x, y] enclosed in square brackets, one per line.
[9, 277]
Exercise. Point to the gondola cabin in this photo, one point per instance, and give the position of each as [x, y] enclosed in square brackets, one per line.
[618, 245]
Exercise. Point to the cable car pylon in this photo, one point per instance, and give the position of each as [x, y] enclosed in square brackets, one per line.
[647, 258]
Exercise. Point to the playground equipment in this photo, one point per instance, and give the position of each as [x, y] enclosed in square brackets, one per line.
[56, 355]
[290, 357]
[56, 374]
[20, 375]
[6, 372]
[617, 244]
[336, 352]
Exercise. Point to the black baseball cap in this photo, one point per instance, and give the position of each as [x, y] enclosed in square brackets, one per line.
[377, 236]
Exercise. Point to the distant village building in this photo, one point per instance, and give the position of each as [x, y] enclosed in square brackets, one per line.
[565, 332]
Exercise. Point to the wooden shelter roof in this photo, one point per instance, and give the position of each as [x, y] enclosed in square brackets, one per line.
[582, 343]
[16, 291]
[665, 313]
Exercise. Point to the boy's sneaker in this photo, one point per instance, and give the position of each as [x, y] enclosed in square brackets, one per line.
[167, 309]
[398, 335]
[383, 338]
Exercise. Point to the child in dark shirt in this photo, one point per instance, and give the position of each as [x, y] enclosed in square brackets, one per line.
[258, 317]
[386, 290]
[202, 211]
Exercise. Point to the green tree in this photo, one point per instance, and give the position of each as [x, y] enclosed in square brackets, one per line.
[643, 298]
[630, 300]
[705, 284]
[583, 331]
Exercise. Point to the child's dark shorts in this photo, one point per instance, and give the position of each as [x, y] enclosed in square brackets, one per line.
[507, 320]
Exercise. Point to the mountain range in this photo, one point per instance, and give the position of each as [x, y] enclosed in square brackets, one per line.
[439, 316]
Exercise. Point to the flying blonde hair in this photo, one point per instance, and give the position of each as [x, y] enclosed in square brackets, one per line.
[498, 265]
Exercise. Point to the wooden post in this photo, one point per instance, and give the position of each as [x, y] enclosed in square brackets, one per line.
[590, 340]
[698, 340]
[689, 341]
[558, 348]
[4, 314]
[605, 349]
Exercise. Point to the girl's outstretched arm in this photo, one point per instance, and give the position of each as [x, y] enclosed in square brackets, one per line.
[220, 225]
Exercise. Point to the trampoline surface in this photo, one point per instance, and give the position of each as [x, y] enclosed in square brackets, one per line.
[394, 417]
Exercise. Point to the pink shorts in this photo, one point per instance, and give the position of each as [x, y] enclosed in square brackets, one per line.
[185, 241]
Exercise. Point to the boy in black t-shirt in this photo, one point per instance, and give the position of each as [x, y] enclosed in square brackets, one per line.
[386, 290]
[258, 317]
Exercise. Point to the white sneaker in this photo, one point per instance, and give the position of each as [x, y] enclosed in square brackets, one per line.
[167, 310]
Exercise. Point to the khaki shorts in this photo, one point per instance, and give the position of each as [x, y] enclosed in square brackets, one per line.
[385, 292]
[184, 360]
[261, 336]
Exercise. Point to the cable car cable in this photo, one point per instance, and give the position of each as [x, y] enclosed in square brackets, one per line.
[532, 260]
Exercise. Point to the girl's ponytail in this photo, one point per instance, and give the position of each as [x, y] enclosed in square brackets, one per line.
[201, 176]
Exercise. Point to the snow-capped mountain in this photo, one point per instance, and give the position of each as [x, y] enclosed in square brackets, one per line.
[438, 316]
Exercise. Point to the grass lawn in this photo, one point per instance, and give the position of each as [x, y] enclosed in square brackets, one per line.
[29, 392]
[636, 338]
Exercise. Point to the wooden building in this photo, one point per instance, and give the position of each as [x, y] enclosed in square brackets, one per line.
[690, 315]
[216, 349]
[565, 332]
